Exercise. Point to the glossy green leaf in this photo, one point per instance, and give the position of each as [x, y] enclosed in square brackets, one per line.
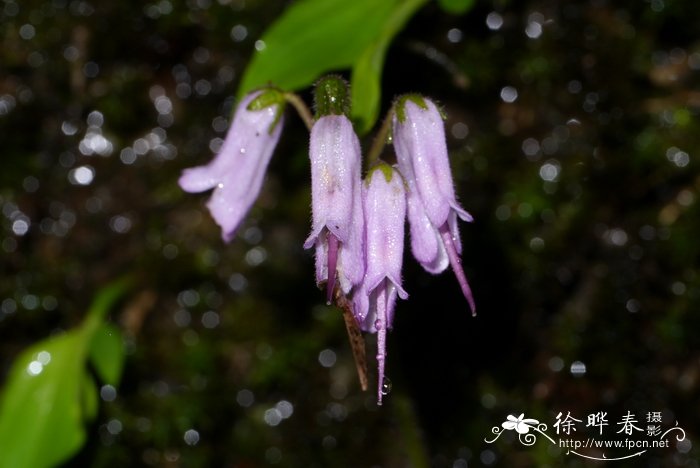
[456, 6]
[48, 394]
[367, 71]
[366, 76]
[107, 354]
[314, 37]
[41, 416]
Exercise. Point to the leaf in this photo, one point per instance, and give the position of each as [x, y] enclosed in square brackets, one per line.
[456, 7]
[366, 89]
[314, 37]
[105, 298]
[49, 395]
[90, 398]
[107, 354]
[41, 420]
[367, 71]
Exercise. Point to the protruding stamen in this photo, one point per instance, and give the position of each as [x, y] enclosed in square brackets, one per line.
[332, 263]
[380, 324]
[456, 264]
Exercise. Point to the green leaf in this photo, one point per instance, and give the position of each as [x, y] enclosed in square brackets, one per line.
[41, 418]
[105, 298]
[107, 354]
[456, 7]
[366, 85]
[367, 72]
[49, 395]
[314, 37]
[90, 398]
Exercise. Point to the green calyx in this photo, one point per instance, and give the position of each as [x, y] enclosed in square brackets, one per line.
[331, 96]
[400, 105]
[269, 97]
[385, 169]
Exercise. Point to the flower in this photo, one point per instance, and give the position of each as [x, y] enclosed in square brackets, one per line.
[336, 198]
[237, 171]
[384, 203]
[522, 426]
[421, 150]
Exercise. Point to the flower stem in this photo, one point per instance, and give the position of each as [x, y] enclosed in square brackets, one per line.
[380, 140]
[357, 342]
[301, 108]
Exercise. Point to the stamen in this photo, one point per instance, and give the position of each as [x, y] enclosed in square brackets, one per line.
[380, 325]
[456, 264]
[332, 263]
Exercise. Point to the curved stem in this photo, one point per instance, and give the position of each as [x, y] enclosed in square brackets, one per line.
[301, 108]
[381, 139]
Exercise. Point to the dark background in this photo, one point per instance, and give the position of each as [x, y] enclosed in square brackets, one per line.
[584, 249]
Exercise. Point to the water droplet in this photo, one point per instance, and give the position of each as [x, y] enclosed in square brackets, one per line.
[386, 386]
[242, 150]
[377, 324]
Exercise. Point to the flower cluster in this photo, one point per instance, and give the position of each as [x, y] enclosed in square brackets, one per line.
[357, 226]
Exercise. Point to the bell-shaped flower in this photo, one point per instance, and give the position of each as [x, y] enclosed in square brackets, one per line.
[384, 202]
[421, 150]
[236, 173]
[336, 197]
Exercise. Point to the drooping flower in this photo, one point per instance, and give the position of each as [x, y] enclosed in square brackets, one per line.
[421, 149]
[384, 202]
[337, 225]
[236, 173]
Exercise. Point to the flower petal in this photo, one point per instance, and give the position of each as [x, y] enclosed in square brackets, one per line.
[420, 143]
[426, 246]
[238, 170]
[385, 216]
[336, 198]
[335, 156]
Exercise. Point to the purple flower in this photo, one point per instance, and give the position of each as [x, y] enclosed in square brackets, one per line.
[336, 199]
[237, 171]
[421, 149]
[384, 202]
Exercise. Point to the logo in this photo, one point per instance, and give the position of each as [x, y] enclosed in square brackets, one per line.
[600, 438]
